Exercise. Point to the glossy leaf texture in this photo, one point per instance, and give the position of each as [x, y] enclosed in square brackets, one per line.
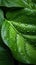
[23, 20]
[19, 34]
[17, 3]
[1, 18]
[12, 3]
[4, 54]
[1, 21]
[22, 49]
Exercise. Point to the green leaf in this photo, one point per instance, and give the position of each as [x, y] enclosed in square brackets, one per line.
[4, 57]
[23, 15]
[12, 3]
[1, 22]
[1, 18]
[19, 31]
[17, 3]
[17, 43]
[24, 22]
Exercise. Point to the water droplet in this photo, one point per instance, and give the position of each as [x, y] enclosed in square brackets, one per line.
[27, 31]
[25, 24]
[21, 53]
[15, 49]
[19, 17]
[33, 31]
[19, 49]
[5, 38]
[27, 61]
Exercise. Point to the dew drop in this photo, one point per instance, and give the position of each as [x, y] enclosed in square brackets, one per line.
[27, 31]
[25, 24]
[21, 53]
[19, 49]
[33, 31]
[15, 49]
[19, 17]
[27, 61]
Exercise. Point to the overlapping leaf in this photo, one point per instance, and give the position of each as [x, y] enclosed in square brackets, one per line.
[17, 3]
[1, 21]
[19, 31]
[1, 17]
[18, 39]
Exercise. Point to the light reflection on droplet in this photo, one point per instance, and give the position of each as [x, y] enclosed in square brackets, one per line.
[15, 49]
[27, 31]
[19, 49]
[26, 25]
[22, 53]
[33, 31]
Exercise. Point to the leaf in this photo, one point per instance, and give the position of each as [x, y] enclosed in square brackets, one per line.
[1, 22]
[16, 3]
[23, 22]
[27, 15]
[0, 2]
[1, 18]
[4, 57]
[17, 43]
[12, 3]
[19, 32]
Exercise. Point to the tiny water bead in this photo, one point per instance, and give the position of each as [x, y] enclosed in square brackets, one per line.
[33, 31]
